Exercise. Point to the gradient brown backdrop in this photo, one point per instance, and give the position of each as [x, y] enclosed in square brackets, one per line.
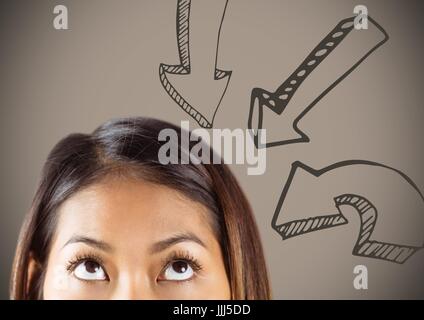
[57, 82]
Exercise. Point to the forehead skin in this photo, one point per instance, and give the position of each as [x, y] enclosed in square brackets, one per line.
[123, 209]
[131, 215]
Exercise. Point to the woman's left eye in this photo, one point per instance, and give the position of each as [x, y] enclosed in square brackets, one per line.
[179, 270]
[90, 271]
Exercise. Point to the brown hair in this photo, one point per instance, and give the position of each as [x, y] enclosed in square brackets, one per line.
[79, 160]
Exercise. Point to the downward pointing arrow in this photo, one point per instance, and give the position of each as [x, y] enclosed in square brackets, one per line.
[196, 84]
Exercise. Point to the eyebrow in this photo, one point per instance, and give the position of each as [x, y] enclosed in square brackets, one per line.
[178, 238]
[156, 247]
[90, 242]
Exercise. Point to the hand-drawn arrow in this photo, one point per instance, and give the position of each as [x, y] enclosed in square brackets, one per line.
[278, 100]
[197, 85]
[366, 244]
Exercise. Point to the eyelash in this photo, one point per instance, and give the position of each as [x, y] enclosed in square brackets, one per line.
[73, 263]
[173, 257]
[182, 256]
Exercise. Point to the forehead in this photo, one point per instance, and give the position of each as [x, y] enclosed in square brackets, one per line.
[129, 211]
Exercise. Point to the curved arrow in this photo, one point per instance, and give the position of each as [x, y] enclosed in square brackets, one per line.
[278, 100]
[197, 85]
[365, 245]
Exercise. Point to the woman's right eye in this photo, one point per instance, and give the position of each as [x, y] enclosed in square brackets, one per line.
[90, 270]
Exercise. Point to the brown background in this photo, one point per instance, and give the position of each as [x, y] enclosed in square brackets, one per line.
[106, 66]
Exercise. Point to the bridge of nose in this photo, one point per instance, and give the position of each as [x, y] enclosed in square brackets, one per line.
[134, 285]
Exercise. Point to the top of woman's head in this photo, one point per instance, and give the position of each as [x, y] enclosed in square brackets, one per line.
[125, 146]
[129, 148]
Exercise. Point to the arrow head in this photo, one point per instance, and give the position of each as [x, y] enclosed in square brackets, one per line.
[198, 94]
[265, 107]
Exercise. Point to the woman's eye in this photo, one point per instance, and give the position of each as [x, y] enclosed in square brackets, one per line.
[90, 270]
[178, 271]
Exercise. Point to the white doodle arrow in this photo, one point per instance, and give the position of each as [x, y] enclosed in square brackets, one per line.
[389, 204]
[276, 104]
[196, 84]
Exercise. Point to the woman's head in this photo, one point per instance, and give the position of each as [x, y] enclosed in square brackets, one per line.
[110, 221]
